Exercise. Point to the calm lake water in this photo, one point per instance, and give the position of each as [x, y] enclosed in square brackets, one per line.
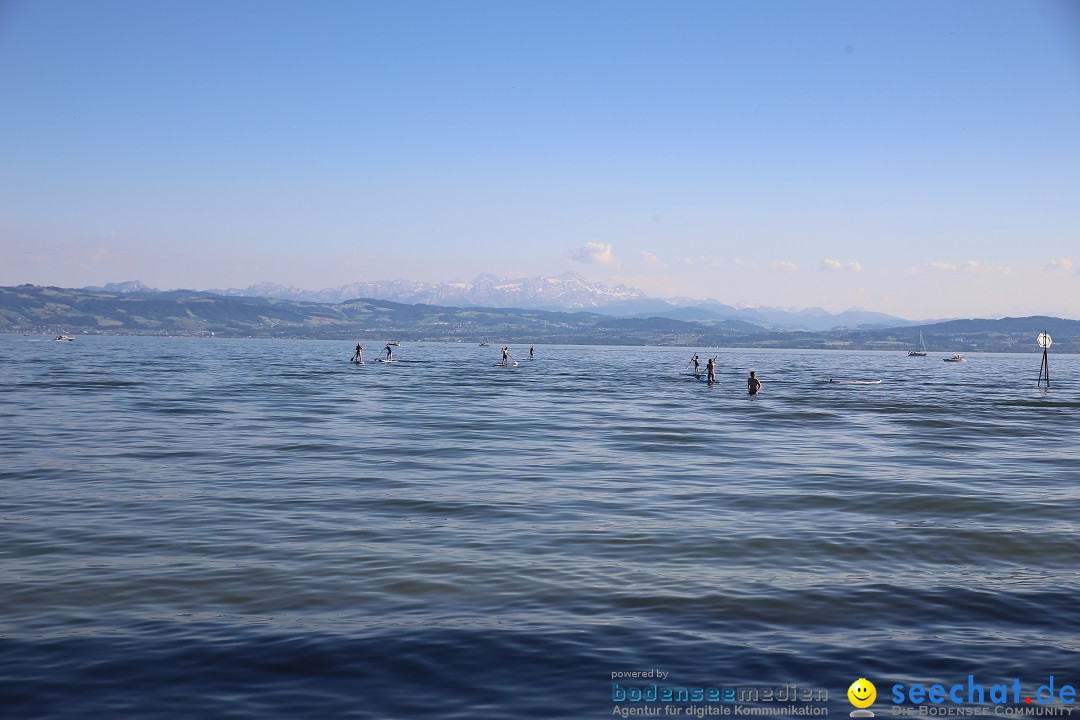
[261, 529]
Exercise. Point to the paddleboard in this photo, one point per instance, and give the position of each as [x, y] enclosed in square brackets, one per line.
[505, 365]
[386, 361]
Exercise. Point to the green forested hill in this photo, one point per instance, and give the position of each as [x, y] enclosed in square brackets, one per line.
[31, 308]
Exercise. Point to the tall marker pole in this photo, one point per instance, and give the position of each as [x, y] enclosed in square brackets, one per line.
[1044, 369]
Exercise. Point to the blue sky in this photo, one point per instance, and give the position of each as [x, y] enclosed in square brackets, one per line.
[919, 158]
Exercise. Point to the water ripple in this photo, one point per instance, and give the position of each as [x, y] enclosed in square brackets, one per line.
[254, 529]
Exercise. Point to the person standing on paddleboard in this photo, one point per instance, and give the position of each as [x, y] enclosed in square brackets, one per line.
[359, 356]
[753, 384]
[710, 368]
[506, 356]
[532, 351]
[389, 352]
[697, 366]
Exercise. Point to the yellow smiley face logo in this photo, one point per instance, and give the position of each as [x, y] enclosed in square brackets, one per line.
[862, 693]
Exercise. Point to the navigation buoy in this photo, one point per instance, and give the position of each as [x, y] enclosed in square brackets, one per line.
[1044, 341]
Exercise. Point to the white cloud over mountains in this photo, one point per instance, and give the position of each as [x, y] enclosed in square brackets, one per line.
[650, 260]
[970, 267]
[595, 253]
[830, 265]
[774, 265]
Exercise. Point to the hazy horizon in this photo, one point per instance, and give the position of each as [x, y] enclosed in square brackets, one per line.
[914, 159]
[675, 301]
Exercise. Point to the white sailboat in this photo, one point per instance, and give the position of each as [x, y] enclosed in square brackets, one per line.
[922, 345]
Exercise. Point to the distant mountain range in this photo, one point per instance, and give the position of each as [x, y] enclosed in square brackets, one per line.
[814, 319]
[133, 310]
[569, 291]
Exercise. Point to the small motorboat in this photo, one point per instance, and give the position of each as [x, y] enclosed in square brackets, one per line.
[955, 358]
[63, 338]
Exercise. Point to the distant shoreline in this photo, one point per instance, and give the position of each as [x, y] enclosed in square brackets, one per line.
[49, 334]
[45, 310]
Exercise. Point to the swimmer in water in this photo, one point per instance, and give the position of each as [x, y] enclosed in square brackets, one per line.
[753, 384]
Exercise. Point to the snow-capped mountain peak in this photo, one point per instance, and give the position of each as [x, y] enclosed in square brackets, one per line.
[567, 291]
